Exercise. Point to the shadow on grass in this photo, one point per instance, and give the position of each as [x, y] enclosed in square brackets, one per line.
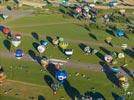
[35, 35]
[115, 96]
[34, 57]
[48, 80]
[110, 75]
[7, 44]
[50, 39]
[95, 95]
[52, 69]
[129, 52]
[35, 45]
[93, 36]
[105, 50]
[40, 97]
[71, 91]
[100, 56]
[82, 46]
[128, 72]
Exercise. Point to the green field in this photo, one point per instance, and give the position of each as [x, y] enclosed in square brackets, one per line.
[74, 32]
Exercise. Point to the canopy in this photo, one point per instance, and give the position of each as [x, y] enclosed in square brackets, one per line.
[119, 33]
[19, 53]
[61, 75]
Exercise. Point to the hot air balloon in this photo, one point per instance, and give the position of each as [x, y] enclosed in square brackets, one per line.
[6, 30]
[2, 75]
[63, 45]
[78, 9]
[61, 39]
[69, 52]
[115, 70]
[55, 41]
[124, 82]
[44, 62]
[61, 75]
[19, 54]
[121, 55]
[41, 48]
[18, 36]
[87, 49]
[86, 8]
[15, 42]
[44, 43]
[119, 33]
[108, 58]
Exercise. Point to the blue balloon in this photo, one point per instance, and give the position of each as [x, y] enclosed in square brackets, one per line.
[61, 75]
[19, 53]
[119, 33]
[115, 70]
[44, 43]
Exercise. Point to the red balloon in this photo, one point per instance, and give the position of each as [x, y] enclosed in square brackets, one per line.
[6, 30]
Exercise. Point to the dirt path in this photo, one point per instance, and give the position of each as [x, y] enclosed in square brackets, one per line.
[76, 64]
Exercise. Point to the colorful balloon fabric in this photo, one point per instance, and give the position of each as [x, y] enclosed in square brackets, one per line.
[19, 54]
[61, 75]
[15, 42]
[41, 48]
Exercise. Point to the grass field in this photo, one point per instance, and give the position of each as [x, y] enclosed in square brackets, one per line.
[28, 75]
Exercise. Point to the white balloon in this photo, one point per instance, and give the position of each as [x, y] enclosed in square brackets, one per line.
[41, 48]
[15, 42]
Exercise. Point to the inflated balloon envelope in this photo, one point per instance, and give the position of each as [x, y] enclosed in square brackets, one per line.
[41, 48]
[15, 42]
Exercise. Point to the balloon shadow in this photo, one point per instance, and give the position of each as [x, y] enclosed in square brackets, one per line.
[7, 44]
[95, 95]
[110, 75]
[100, 56]
[48, 80]
[51, 68]
[49, 39]
[1, 28]
[32, 54]
[129, 52]
[115, 96]
[82, 46]
[93, 36]
[35, 45]
[35, 35]
[128, 72]
[71, 91]
[105, 50]
[40, 97]
[34, 57]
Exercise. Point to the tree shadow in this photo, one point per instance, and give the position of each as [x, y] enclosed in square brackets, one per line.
[128, 72]
[95, 95]
[71, 91]
[110, 75]
[105, 50]
[48, 80]
[35, 45]
[50, 39]
[40, 97]
[93, 36]
[82, 46]
[115, 96]
[129, 52]
[52, 69]
[35, 35]
[7, 44]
